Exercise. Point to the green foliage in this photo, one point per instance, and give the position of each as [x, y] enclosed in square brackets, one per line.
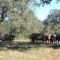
[52, 23]
[21, 20]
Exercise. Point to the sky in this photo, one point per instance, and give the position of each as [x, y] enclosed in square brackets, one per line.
[42, 12]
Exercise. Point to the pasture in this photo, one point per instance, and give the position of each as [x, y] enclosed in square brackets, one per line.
[18, 19]
[24, 50]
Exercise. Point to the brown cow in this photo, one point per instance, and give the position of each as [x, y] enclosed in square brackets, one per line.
[52, 39]
[6, 36]
[45, 38]
[58, 37]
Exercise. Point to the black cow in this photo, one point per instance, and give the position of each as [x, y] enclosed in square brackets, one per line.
[35, 37]
[58, 37]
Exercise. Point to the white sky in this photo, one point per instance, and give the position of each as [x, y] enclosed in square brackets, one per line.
[42, 12]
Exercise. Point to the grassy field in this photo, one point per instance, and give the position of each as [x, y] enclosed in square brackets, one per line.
[28, 51]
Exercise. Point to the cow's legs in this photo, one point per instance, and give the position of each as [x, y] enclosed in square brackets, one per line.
[33, 41]
[51, 42]
[45, 41]
[58, 41]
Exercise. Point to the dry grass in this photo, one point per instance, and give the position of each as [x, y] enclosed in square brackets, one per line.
[32, 54]
[37, 52]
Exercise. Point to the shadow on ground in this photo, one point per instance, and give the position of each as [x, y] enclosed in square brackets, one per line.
[23, 46]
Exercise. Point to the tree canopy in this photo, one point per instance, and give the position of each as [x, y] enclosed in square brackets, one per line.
[18, 18]
[52, 22]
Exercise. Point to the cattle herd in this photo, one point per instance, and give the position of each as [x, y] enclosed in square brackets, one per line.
[6, 36]
[52, 39]
[35, 37]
